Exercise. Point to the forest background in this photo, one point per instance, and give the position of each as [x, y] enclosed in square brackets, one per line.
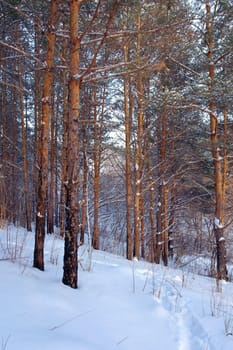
[115, 127]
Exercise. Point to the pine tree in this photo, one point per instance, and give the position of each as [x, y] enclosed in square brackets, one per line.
[44, 142]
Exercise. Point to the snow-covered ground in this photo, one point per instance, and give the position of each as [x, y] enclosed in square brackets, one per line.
[118, 305]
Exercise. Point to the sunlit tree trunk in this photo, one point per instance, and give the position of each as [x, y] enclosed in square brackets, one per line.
[50, 214]
[216, 156]
[44, 142]
[224, 180]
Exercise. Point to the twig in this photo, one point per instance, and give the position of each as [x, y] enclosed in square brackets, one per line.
[122, 340]
[69, 320]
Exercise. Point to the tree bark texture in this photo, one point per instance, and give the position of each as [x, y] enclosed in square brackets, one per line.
[70, 268]
[24, 153]
[138, 152]
[44, 143]
[50, 207]
[96, 161]
[128, 184]
[37, 122]
[64, 150]
[216, 156]
[84, 195]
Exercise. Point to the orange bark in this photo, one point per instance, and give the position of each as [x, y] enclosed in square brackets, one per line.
[50, 209]
[224, 180]
[44, 143]
[217, 159]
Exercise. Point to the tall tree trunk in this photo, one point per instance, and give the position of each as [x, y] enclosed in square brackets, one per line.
[14, 206]
[165, 222]
[44, 147]
[224, 180]
[96, 162]
[138, 151]
[98, 139]
[154, 252]
[217, 159]
[128, 180]
[164, 190]
[171, 220]
[50, 215]
[57, 169]
[37, 123]
[24, 151]
[142, 220]
[128, 185]
[162, 202]
[70, 275]
[64, 150]
[85, 167]
[84, 194]
[64, 122]
[3, 199]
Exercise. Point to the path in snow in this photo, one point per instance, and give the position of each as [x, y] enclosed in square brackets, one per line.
[183, 324]
[119, 305]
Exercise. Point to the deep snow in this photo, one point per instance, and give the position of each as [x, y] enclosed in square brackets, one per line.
[118, 305]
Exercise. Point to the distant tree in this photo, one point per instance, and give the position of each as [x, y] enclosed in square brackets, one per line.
[128, 148]
[28, 210]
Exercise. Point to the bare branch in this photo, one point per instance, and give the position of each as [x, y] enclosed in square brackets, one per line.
[184, 66]
[24, 53]
[111, 17]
